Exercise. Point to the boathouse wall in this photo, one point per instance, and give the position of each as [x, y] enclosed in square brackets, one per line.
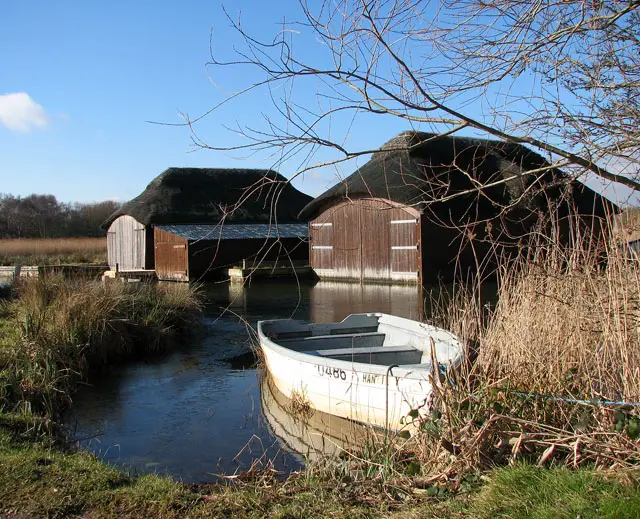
[196, 252]
[366, 240]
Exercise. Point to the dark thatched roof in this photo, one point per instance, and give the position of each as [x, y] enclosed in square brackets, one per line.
[205, 195]
[419, 169]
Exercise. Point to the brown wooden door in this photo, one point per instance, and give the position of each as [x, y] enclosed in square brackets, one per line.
[172, 256]
[374, 239]
[347, 245]
[403, 229]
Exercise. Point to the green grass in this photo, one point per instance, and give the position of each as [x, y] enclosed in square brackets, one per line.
[37, 479]
[526, 491]
[43, 481]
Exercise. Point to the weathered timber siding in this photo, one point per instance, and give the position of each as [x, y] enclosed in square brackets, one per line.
[127, 245]
[172, 256]
[404, 247]
[321, 232]
[366, 239]
[374, 223]
[347, 242]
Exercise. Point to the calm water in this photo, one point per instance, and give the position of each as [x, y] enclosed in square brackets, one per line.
[198, 411]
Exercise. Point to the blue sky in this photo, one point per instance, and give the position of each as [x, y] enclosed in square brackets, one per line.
[87, 78]
[81, 81]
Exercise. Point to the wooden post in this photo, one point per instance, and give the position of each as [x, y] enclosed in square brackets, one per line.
[16, 271]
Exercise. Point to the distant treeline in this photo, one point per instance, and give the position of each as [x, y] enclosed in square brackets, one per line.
[42, 216]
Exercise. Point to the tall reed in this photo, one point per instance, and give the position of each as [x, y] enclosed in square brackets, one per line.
[569, 331]
[556, 375]
[55, 329]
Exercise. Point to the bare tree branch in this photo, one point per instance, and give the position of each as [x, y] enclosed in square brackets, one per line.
[560, 76]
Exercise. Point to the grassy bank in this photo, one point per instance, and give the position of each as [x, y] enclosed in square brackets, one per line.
[40, 481]
[53, 330]
[58, 251]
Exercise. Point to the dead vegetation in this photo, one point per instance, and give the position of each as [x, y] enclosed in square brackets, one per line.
[53, 330]
[557, 375]
[54, 251]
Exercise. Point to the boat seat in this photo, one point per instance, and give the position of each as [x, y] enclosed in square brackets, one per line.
[364, 350]
[354, 329]
[288, 336]
[332, 342]
[333, 332]
[332, 337]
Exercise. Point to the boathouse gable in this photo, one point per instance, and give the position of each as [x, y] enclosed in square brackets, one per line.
[129, 245]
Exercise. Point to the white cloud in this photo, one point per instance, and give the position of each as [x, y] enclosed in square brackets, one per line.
[20, 113]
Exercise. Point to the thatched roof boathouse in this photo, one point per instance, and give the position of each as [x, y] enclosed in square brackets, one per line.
[191, 222]
[429, 207]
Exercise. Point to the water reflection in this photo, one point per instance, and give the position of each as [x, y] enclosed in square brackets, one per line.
[198, 411]
[333, 301]
[310, 433]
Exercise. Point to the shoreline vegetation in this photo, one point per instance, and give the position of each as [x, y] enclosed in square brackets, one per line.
[54, 330]
[533, 427]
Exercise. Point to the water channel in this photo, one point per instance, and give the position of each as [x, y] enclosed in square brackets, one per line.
[198, 412]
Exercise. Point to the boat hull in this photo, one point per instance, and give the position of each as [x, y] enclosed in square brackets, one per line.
[380, 396]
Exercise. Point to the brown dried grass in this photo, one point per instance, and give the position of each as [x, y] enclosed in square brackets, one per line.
[55, 329]
[570, 331]
[54, 251]
[557, 375]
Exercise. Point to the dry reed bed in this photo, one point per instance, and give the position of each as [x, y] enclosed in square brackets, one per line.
[53, 251]
[570, 331]
[55, 329]
[557, 377]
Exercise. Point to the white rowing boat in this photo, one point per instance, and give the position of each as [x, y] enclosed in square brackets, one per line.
[373, 368]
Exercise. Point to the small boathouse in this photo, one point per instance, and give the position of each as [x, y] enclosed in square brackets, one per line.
[193, 223]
